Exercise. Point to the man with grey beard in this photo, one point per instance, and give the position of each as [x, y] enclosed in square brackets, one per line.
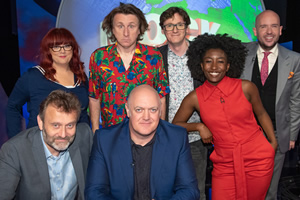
[48, 161]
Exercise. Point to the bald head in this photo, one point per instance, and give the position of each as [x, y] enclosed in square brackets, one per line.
[144, 110]
[143, 91]
[266, 14]
[267, 29]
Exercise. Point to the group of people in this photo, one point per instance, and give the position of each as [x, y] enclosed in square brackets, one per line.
[242, 98]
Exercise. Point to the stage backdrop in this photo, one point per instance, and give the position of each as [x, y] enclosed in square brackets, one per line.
[84, 17]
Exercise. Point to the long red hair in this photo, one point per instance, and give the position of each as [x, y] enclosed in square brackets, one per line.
[58, 36]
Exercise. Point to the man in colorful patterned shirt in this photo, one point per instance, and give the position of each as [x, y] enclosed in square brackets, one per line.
[174, 23]
[116, 69]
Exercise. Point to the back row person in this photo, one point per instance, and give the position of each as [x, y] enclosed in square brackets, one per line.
[174, 23]
[275, 71]
[117, 68]
[60, 68]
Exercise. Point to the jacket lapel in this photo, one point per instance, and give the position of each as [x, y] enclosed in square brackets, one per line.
[250, 59]
[75, 155]
[40, 160]
[284, 68]
[158, 157]
[125, 157]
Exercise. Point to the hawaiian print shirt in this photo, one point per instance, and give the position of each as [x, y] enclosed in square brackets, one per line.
[111, 82]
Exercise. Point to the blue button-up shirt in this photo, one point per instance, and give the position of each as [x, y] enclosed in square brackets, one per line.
[63, 180]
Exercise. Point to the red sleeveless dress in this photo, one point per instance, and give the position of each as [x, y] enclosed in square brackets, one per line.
[242, 159]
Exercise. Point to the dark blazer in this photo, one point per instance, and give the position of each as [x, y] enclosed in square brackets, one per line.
[23, 166]
[164, 51]
[287, 108]
[110, 172]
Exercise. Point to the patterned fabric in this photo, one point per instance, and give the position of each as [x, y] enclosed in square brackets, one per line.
[111, 83]
[181, 84]
[264, 72]
[62, 176]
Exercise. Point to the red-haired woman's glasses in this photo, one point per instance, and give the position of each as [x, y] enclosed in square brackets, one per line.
[66, 47]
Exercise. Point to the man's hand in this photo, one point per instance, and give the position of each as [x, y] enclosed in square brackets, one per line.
[292, 145]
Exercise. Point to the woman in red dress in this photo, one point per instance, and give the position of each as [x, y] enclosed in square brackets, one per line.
[243, 158]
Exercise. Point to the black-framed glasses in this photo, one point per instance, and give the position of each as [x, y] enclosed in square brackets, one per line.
[170, 27]
[66, 47]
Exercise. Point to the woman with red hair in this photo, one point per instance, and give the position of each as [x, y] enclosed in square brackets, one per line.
[60, 68]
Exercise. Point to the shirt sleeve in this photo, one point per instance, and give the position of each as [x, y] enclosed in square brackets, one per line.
[162, 82]
[94, 75]
[9, 171]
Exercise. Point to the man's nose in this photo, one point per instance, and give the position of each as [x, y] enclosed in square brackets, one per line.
[146, 114]
[269, 29]
[62, 133]
[126, 31]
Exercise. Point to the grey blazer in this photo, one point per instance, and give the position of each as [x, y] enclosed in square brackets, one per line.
[287, 108]
[23, 166]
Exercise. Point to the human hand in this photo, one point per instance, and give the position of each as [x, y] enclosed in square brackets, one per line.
[274, 145]
[205, 134]
[292, 145]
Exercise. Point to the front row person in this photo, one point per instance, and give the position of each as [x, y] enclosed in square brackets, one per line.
[243, 159]
[48, 161]
[143, 157]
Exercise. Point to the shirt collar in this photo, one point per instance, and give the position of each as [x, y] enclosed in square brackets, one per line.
[274, 50]
[171, 52]
[151, 142]
[114, 52]
[223, 86]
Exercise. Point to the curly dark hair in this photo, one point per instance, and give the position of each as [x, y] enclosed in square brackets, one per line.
[127, 9]
[235, 51]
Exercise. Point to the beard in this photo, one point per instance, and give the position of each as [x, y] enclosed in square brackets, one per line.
[61, 146]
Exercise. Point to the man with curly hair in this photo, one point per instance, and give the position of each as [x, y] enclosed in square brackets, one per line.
[117, 68]
[174, 23]
[275, 71]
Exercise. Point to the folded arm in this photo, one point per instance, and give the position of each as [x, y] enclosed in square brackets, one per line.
[186, 109]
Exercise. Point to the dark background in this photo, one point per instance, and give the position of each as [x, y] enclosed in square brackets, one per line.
[9, 56]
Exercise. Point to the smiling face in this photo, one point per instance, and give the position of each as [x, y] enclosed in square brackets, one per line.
[126, 30]
[144, 110]
[267, 29]
[175, 36]
[58, 129]
[62, 57]
[215, 65]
